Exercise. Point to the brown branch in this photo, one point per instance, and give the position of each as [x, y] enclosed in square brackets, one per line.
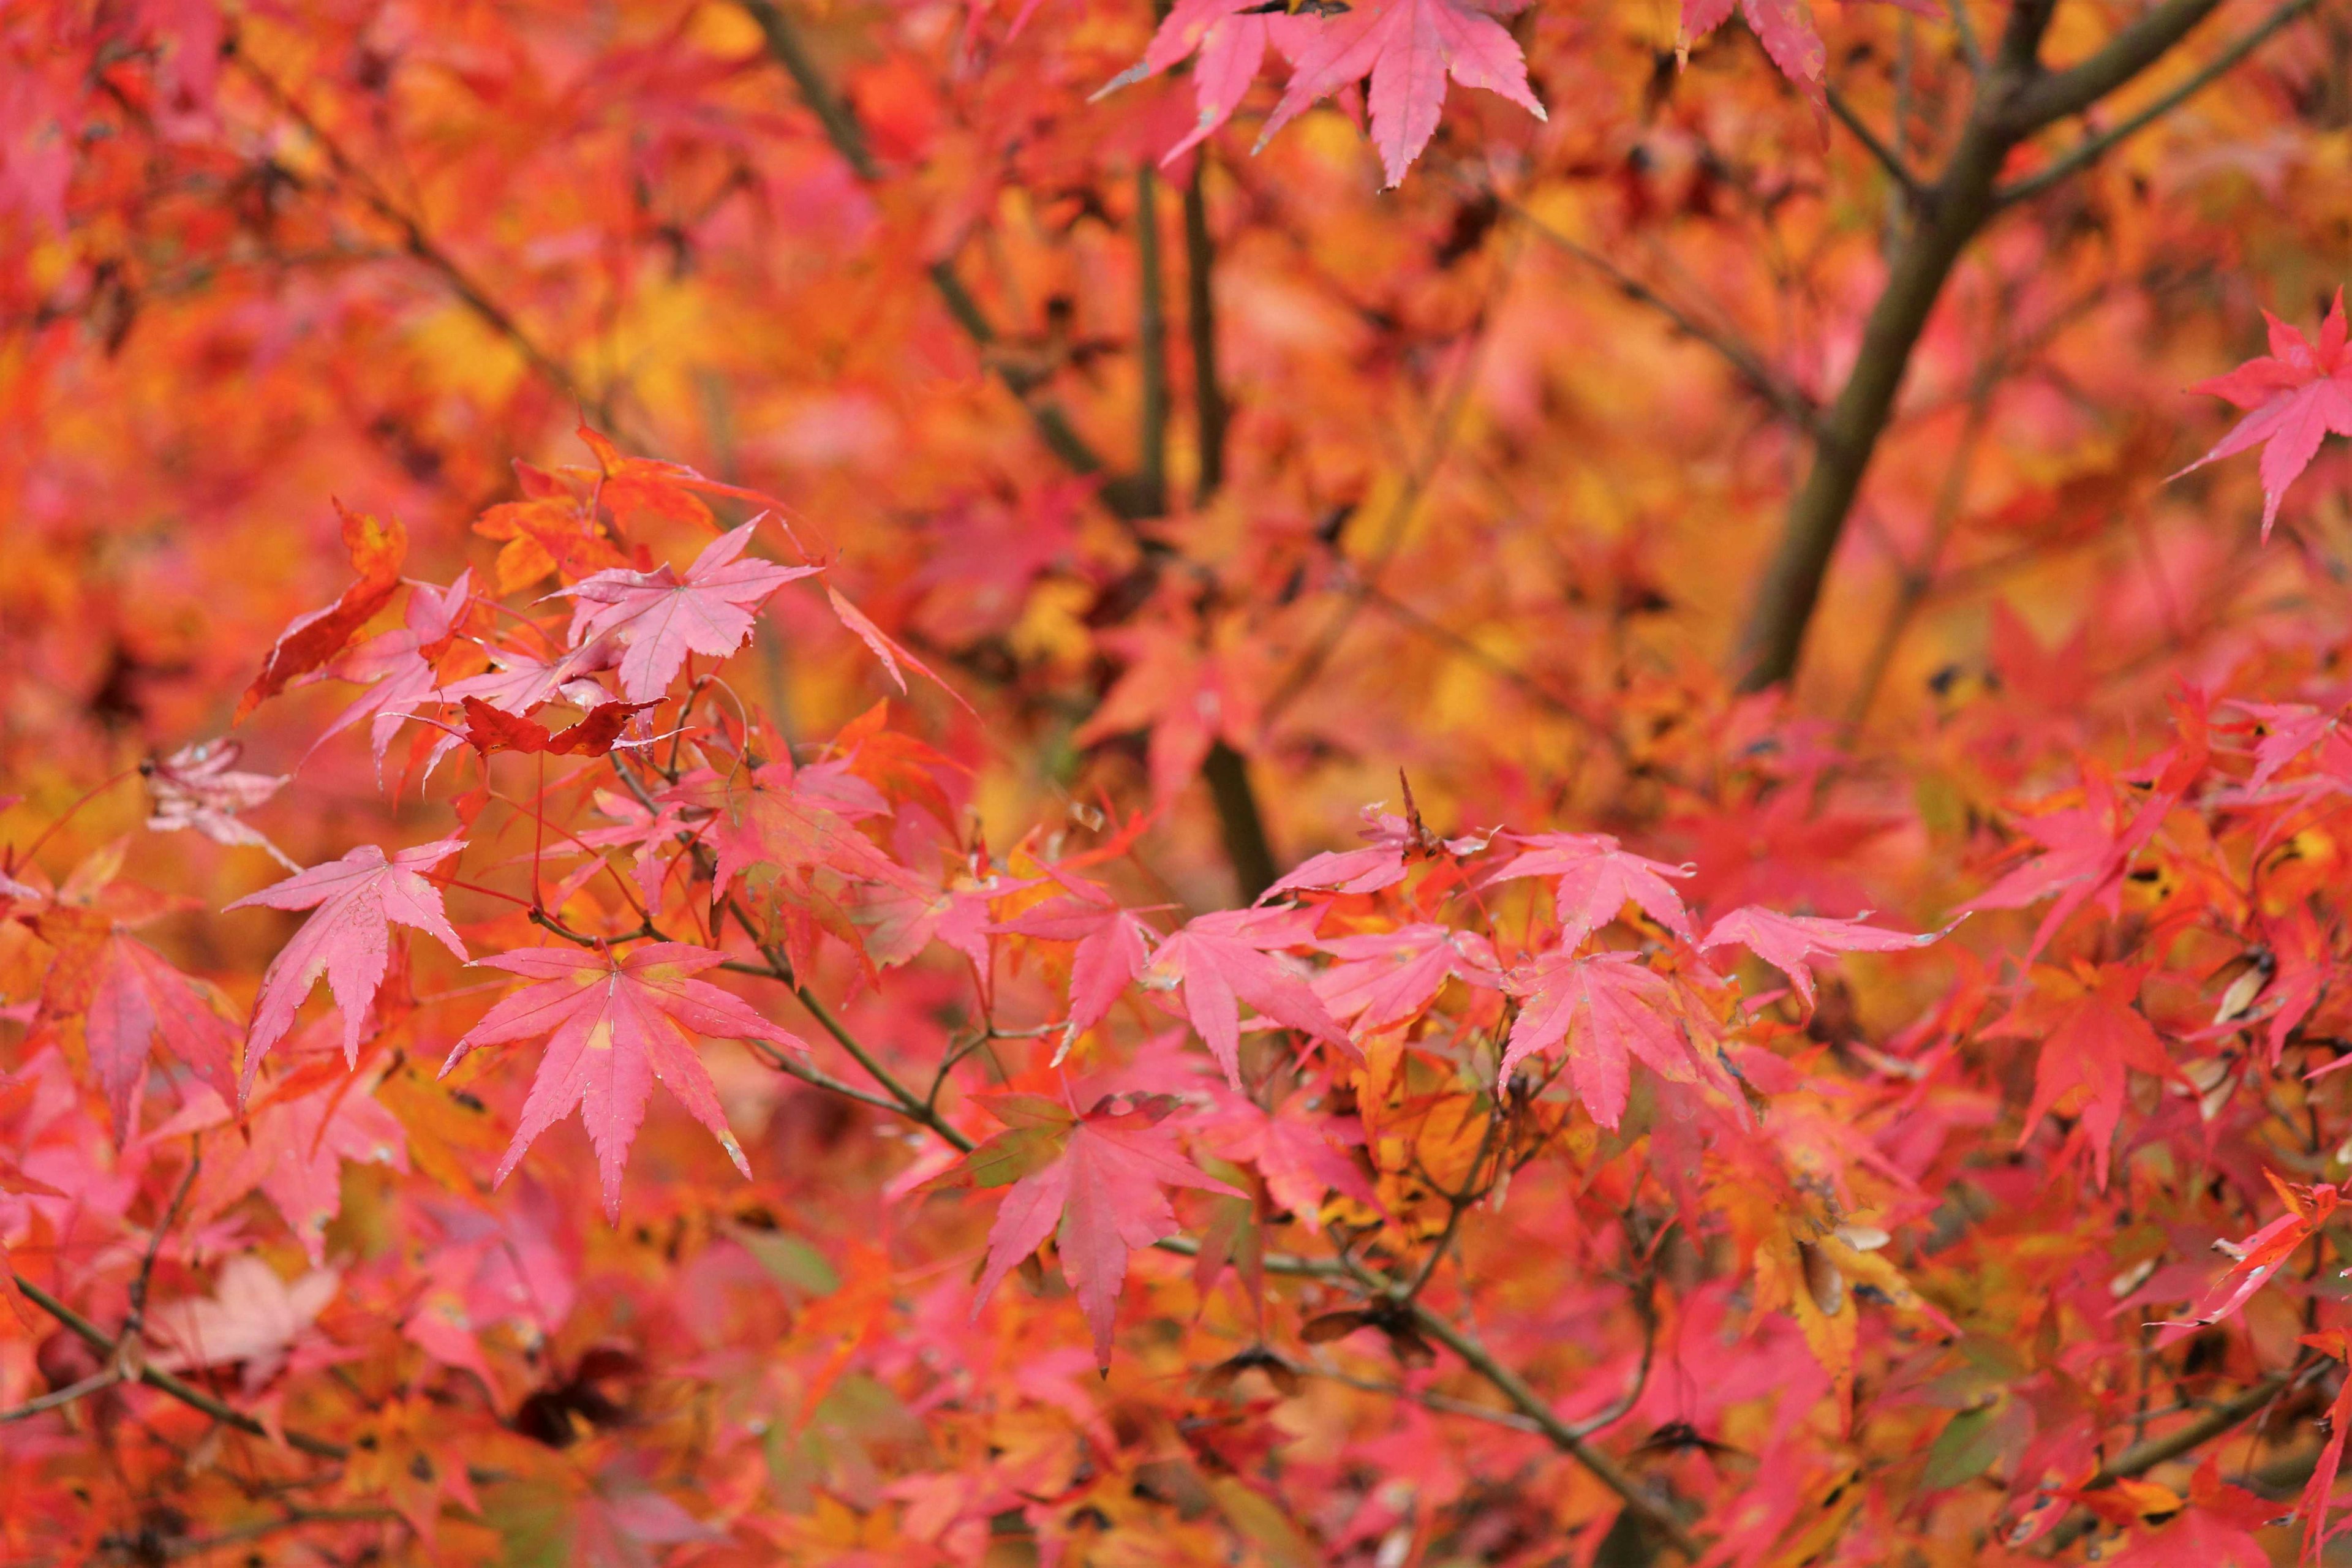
[839, 119]
[421, 245]
[63, 1396]
[162, 1382]
[1209, 410]
[1959, 205]
[2093, 148]
[2053, 97]
[1748, 363]
[1889, 158]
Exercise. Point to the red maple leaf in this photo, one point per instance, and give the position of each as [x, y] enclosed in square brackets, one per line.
[308, 641]
[1596, 879]
[1226, 958]
[1609, 1009]
[1787, 941]
[359, 899]
[2088, 1047]
[1301, 1155]
[1093, 1178]
[660, 617]
[1408, 47]
[613, 1025]
[293, 1151]
[2299, 392]
[489, 730]
[2215, 1530]
[2257, 1258]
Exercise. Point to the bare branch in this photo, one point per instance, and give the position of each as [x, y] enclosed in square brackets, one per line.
[1788, 399]
[2128, 53]
[787, 48]
[2091, 148]
[1889, 158]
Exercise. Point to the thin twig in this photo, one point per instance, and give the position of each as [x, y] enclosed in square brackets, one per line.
[63, 1396]
[1889, 158]
[1791, 401]
[842, 128]
[99, 1339]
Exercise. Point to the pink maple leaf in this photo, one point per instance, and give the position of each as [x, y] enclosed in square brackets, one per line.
[1607, 1009]
[1408, 47]
[1301, 1156]
[660, 617]
[1596, 879]
[1093, 1178]
[1113, 948]
[358, 899]
[198, 786]
[613, 1025]
[2299, 392]
[1388, 978]
[1787, 941]
[138, 998]
[396, 667]
[1226, 41]
[1224, 959]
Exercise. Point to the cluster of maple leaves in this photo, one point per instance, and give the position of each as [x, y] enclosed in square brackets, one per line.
[1545, 1186]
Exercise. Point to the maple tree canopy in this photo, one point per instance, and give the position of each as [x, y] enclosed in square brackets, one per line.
[1401, 783]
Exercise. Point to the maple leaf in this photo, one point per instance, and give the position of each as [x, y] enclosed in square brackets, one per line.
[1785, 28]
[2299, 392]
[397, 667]
[1596, 880]
[1788, 942]
[358, 899]
[294, 1150]
[1226, 41]
[660, 617]
[884, 647]
[252, 1316]
[1609, 1009]
[2257, 1258]
[2086, 849]
[1391, 842]
[789, 833]
[2213, 1530]
[308, 641]
[1113, 947]
[489, 730]
[2088, 1048]
[1388, 978]
[198, 786]
[613, 1025]
[137, 999]
[1408, 47]
[1218, 958]
[1301, 1156]
[1093, 1178]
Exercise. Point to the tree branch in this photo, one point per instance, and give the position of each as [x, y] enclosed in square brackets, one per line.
[841, 126]
[1788, 399]
[1954, 212]
[421, 245]
[1889, 158]
[2131, 51]
[1201, 322]
[187, 1394]
[2142, 1457]
[2091, 148]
